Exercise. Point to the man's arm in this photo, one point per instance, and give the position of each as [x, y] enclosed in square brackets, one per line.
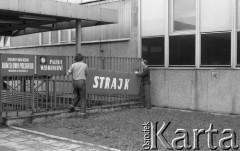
[69, 72]
[145, 72]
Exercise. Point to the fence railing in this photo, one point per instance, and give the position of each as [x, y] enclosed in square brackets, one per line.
[36, 93]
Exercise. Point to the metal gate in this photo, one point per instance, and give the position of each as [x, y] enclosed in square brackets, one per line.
[42, 93]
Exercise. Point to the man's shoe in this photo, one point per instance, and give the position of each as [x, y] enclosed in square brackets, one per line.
[71, 110]
[84, 115]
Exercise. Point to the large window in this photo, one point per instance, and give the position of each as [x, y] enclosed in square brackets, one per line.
[153, 50]
[182, 50]
[215, 15]
[216, 49]
[184, 15]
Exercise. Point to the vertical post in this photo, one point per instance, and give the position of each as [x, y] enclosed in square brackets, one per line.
[54, 94]
[78, 36]
[32, 93]
[22, 84]
[47, 91]
[139, 29]
[1, 81]
[40, 39]
[166, 43]
[234, 35]
[198, 37]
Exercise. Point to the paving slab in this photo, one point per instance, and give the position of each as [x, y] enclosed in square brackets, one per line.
[19, 139]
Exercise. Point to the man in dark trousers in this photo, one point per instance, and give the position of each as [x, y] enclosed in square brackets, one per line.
[79, 71]
[145, 79]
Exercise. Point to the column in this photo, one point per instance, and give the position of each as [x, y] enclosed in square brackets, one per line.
[78, 36]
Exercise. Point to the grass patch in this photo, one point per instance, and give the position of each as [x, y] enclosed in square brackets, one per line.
[123, 129]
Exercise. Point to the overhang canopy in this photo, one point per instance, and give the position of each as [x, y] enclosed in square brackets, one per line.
[21, 17]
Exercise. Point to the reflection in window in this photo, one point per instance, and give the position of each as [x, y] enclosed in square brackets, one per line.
[153, 50]
[153, 17]
[238, 13]
[216, 49]
[215, 15]
[182, 50]
[1, 41]
[184, 12]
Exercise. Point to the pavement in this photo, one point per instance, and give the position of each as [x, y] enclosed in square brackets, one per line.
[18, 139]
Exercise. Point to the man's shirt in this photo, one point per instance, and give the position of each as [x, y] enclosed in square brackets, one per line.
[78, 70]
[145, 75]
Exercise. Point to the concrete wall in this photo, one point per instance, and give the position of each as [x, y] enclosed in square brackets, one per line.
[111, 49]
[197, 89]
[61, 50]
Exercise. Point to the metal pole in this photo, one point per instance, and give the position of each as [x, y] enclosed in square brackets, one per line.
[78, 36]
[32, 93]
[1, 83]
[1, 119]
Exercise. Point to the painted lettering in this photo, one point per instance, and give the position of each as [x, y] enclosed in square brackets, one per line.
[126, 84]
[101, 82]
[107, 83]
[95, 82]
[120, 84]
[114, 83]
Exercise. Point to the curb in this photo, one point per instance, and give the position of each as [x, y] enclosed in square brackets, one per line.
[63, 138]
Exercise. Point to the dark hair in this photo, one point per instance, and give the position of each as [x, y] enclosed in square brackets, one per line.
[79, 57]
[145, 62]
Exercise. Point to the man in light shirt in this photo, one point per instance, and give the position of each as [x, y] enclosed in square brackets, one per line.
[78, 70]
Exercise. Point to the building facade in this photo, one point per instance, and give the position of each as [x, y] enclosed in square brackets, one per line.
[193, 47]
[104, 40]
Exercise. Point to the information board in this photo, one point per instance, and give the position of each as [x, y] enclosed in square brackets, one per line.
[17, 64]
[51, 65]
[104, 82]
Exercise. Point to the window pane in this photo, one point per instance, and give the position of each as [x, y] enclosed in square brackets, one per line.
[45, 38]
[54, 36]
[184, 12]
[153, 17]
[73, 34]
[1, 41]
[64, 35]
[238, 11]
[216, 49]
[238, 48]
[182, 50]
[215, 15]
[7, 41]
[153, 50]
